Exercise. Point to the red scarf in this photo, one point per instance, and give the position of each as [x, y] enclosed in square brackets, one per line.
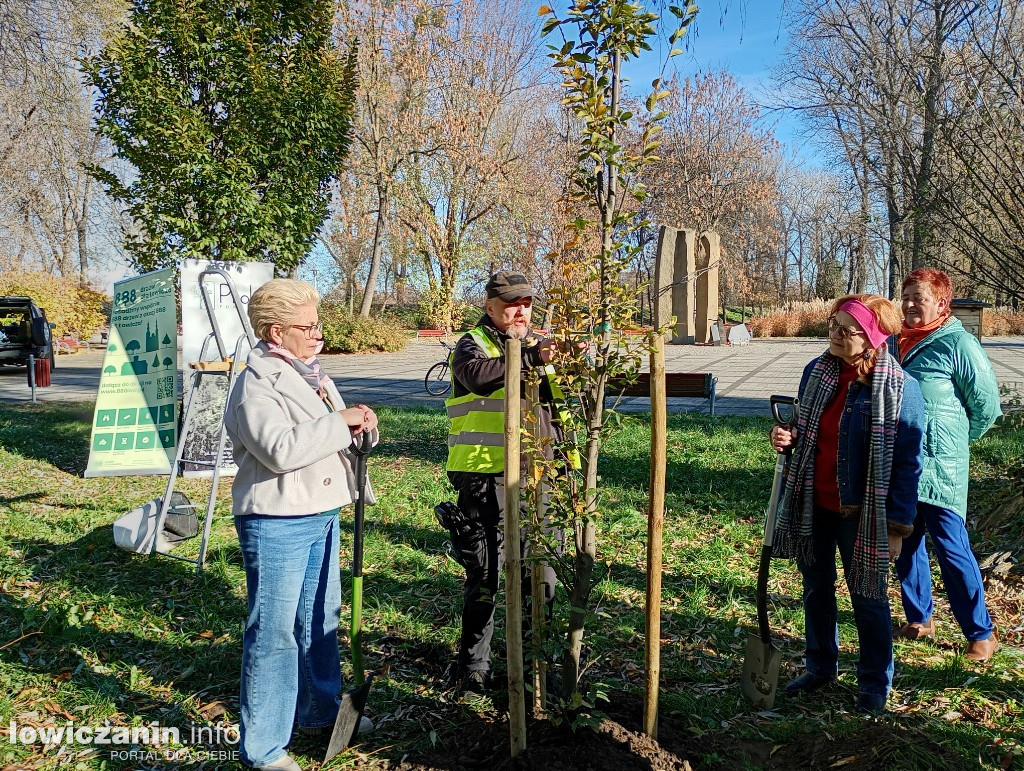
[911, 336]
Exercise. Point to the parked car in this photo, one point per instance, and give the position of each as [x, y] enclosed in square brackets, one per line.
[24, 332]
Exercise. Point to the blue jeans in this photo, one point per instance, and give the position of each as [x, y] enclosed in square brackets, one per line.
[291, 668]
[959, 568]
[874, 622]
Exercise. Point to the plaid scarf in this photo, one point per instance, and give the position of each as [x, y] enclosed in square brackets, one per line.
[309, 368]
[869, 570]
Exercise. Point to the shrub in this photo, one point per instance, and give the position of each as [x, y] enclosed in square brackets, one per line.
[802, 320]
[75, 310]
[463, 315]
[420, 317]
[1003, 321]
[344, 333]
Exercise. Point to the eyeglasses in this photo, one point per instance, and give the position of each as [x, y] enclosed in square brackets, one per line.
[844, 332]
[309, 329]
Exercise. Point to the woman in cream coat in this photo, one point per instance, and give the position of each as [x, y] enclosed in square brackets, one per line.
[292, 436]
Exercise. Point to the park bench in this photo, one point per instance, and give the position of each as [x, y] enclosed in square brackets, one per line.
[431, 333]
[677, 384]
[69, 345]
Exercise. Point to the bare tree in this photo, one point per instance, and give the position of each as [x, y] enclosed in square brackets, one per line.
[876, 78]
[47, 201]
[821, 229]
[484, 67]
[986, 149]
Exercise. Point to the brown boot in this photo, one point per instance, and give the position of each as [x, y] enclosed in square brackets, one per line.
[916, 631]
[980, 651]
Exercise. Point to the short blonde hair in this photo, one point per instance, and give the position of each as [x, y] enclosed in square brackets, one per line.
[277, 302]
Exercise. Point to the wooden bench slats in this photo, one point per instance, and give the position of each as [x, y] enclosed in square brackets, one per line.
[677, 384]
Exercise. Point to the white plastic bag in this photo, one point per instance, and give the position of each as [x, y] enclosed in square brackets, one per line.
[134, 531]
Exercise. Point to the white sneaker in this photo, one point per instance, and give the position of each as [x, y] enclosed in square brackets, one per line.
[284, 763]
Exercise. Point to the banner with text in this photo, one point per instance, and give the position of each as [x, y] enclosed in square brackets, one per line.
[135, 424]
[211, 398]
[247, 277]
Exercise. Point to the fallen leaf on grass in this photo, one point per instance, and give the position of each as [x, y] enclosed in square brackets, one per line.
[845, 761]
[53, 708]
[212, 710]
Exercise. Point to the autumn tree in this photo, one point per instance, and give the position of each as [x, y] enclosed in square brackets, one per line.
[74, 309]
[233, 119]
[483, 67]
[717, 159]
[718, 171]
[391, 124]
[590, 44]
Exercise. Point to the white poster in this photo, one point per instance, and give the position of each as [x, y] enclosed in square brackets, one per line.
[207, 414]
[247, 277]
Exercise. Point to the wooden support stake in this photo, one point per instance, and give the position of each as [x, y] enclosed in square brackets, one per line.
[513, 558]
[655, 525]
[537, 564]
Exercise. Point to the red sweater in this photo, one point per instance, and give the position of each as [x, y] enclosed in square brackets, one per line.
[826, 454]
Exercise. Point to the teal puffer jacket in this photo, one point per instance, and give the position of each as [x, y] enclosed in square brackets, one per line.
[961, 402]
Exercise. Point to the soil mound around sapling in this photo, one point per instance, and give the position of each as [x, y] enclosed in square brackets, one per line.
[619, 745]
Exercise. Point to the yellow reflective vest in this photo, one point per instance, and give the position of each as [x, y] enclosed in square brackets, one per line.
[476, 432]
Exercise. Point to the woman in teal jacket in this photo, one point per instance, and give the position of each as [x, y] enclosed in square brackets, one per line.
[961, 400]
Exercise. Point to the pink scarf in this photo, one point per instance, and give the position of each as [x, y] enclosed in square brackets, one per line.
[308, 369]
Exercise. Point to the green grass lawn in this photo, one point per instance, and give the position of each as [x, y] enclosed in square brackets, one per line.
[90, 634]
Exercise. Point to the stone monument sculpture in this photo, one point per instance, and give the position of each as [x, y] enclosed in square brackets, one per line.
[686, 282]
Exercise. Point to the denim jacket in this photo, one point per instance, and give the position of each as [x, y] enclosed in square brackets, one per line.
[907, 460]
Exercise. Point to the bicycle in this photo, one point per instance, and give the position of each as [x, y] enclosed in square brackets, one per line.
[436, 382]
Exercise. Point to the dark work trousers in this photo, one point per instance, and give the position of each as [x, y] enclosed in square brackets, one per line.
[481, 546]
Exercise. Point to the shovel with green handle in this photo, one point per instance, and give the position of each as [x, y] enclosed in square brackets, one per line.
[763, 660]
[353, 701]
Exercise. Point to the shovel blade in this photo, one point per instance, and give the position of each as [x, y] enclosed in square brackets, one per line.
[346, 724]
[761, 672]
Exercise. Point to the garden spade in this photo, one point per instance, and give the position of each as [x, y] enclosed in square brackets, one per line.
[353, 701]
[762, 662]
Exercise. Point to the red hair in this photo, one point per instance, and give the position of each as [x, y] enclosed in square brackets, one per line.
[938, 281]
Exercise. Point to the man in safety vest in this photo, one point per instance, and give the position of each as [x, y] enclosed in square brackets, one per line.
[476, 459]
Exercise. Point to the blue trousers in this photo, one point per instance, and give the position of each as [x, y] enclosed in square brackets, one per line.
[874, 621]
[291, 668]
[957, 564]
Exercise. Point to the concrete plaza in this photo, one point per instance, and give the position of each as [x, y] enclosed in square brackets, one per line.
[747, 375]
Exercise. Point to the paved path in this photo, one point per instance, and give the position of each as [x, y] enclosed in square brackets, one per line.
[747, 375]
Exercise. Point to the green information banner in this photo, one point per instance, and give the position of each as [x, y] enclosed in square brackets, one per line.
[135, 428]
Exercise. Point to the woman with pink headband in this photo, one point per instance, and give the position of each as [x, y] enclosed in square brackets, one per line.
[851, 486]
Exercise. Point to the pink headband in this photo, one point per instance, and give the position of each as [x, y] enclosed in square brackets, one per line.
[867, 320]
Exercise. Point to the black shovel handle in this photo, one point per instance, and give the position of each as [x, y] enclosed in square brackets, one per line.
[777, 403]
[360, 448]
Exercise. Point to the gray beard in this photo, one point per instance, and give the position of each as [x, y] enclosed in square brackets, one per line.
[519, 333]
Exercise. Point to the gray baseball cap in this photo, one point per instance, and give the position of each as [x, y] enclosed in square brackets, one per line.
[508, 286]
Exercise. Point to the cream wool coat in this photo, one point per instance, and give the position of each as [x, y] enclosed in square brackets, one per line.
[294, 456]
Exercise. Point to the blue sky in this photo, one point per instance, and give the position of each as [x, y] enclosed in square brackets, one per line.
[745, 38]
